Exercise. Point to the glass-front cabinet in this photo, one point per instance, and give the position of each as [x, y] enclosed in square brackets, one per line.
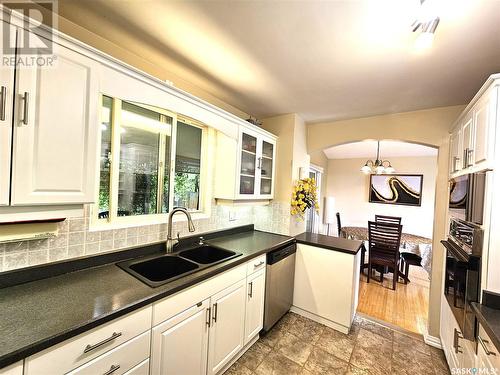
[256, 171]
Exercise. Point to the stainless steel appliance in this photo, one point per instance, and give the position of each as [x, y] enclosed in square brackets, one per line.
[280, 273]
[467, 197]
[463, 272]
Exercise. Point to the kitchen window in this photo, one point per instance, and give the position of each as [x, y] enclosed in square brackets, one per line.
[150, 160]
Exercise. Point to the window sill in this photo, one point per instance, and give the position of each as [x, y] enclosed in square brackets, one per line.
[141, 221]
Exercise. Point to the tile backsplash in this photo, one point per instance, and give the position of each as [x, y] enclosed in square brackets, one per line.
[74, 238]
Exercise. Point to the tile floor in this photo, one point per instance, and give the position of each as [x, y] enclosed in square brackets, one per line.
[297, 345]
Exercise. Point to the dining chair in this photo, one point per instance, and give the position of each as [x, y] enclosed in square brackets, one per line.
[384, 240]
[407, 260]
[339, 225]
[388, 219]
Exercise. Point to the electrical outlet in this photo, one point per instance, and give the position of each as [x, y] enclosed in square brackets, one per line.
[232, 215]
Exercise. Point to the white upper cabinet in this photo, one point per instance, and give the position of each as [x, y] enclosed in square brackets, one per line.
[246, 167]
[484, 123]
[455, 151]
[6, 97]
[472, 140]
[55, 132]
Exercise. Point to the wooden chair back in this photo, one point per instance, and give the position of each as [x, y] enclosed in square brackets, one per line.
[384, 239]
[388, 219]
[339, 225]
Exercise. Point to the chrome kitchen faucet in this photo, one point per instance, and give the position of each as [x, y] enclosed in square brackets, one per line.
[171, 242]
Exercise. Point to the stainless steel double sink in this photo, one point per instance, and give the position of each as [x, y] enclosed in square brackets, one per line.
[159, 270]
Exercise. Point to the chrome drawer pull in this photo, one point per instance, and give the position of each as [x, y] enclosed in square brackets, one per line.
[258, 264]
[483, 344]
[112, 369]
[89, 347]
[3, 102]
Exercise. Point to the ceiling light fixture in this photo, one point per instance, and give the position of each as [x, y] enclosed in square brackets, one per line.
[378, 166]
[427, 23]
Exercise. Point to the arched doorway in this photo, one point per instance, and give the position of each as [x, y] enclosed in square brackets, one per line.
[408, 306]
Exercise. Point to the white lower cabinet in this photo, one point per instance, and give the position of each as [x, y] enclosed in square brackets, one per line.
[227, 328]
[14, 369]
[488, 357]
[254, 314]
[203, 329]
[180, 344]
[199, 331]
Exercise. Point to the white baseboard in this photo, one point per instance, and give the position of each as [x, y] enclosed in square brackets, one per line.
[432, 341]
[321, 320]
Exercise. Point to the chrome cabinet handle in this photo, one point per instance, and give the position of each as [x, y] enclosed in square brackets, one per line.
[470, 152]
[258, 264]
[26, 101]
[259, 165]
[214, 317]
[250, 293]
[112, 369]
[208, 316]
[3, 102]
[89, 347]
[483, 344]
[456, 159]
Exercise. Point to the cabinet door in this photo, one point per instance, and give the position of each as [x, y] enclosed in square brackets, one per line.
[467, 141]
[254, 314]
[484, 114]
[179, 344]
[6, 97]
[266, 167]
[228, 325]
[248, 164]
[455, 151]
[55, 131]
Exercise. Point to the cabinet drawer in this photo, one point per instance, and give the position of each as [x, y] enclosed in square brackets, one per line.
[256, 264]
[119, 360]
[486, 350]
[83, 348]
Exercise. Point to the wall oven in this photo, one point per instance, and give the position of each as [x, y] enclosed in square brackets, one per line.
[463, 272]
[467, 197]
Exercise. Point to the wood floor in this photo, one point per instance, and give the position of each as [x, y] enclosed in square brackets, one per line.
[407, 307]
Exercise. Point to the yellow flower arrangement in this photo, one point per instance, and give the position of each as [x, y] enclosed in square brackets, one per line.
[304, 197]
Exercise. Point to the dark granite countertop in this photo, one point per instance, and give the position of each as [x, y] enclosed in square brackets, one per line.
[42, 313]
[489, 318]
[342, 245]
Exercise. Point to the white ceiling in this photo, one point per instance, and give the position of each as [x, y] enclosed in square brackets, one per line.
[320, 59]
[388, 149]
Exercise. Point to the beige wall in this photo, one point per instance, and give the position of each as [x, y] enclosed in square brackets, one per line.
[291, 156]
[429, 127]
[350, 187]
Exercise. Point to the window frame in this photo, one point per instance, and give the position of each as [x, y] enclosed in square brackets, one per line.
[113, 221]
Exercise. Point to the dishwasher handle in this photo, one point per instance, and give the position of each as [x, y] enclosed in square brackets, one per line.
[280, 254]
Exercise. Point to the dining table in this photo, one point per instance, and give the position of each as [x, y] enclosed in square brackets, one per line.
[410, 243]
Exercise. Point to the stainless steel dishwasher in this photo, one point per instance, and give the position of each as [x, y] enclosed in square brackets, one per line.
[280, 273]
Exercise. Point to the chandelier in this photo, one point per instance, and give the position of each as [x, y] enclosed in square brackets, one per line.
[378, 166]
